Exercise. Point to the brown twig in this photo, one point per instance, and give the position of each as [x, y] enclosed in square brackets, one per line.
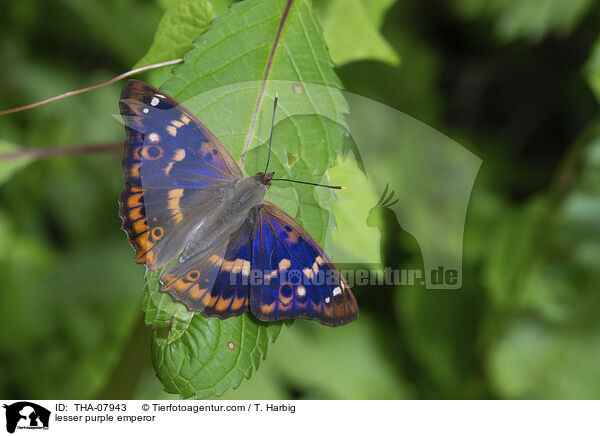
[282, 21]
[90, 88]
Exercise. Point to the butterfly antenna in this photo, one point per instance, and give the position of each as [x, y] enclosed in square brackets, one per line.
[269, 155]
[309, 183]
[271, 135]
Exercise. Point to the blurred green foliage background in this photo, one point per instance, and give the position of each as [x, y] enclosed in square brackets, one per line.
[513, 80]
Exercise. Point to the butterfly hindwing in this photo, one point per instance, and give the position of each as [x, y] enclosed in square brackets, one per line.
[298, 279]
[216, 281]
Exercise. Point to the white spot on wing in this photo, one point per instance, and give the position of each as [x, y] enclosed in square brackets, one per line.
[301, 290]
[337, 291]
[154, 101]
[327, 300]
[153, 137]
[145, 110]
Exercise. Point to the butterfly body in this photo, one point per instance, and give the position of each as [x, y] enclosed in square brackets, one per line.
[186, 207]
[229, 211]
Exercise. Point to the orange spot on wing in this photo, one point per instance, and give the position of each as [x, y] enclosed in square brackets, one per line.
[267, 308]
[140, 227]
[136, 153]
[292, 237]
[174, 203]
[315, 307]
[172, 130]
[215, 260]
[206, 299]
[173, 283]
[179, 154]
[197, 292]
[135, 213]
[282, 298]
[222, 304]
[150, 257]
[134, 170]
[328, 310]
[134, 200]
[238, 303]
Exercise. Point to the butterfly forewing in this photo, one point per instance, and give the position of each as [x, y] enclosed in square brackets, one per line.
[167, 145]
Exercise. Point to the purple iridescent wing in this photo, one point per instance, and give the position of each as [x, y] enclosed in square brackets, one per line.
[166, 145]
[293, 276]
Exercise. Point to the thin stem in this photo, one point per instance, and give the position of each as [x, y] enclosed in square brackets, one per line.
[282, 22]
[90, 88]
[41, 153]
[271, 135]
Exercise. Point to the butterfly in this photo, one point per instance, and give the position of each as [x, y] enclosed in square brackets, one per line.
[187, 207]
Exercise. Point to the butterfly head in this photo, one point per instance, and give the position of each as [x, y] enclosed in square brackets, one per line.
[265, 178]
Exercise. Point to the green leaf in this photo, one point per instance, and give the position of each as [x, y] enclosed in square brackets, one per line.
[208, 357]
[199, 357]
[181, 24]
[351, 30]
[10, 166]
[160, 308]
[220, 81]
